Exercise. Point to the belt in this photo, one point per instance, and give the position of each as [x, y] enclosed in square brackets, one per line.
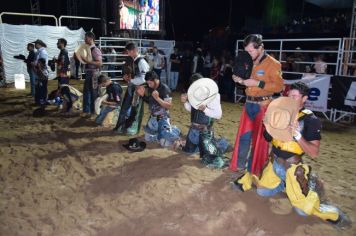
[157, 117]
[258, 99]
[200, 126]
[288, 162]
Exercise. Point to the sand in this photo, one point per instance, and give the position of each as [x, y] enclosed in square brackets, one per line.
[63, 176]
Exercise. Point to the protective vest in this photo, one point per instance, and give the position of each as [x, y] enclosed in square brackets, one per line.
[199, 117]
[292, 146]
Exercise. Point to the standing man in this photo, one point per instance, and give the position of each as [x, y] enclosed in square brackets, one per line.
[131, 112]
[92, 71]
[251, 149]
[62, 62]
[42, 54]
[30, 70]
[175, 64]
[159, 99]
[158, 62]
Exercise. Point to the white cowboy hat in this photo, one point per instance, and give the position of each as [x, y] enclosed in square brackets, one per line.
[83, 51]
[202, 92]
[281, 113]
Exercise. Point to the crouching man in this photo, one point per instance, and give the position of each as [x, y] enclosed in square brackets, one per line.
[112, 103]
[293, 132]
[203, 103]
[158, 127]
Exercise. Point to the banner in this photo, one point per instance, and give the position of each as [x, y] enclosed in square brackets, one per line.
[343, 93]
[319, 91]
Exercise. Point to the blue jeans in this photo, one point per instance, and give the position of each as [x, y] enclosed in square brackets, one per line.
[245, 152]
[89, 94]
[103, 112]
[281, 172]
[32, 75]
[174, 79]
[161, 129]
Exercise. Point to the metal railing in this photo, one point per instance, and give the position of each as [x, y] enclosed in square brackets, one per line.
[76, 17]
[27, 14]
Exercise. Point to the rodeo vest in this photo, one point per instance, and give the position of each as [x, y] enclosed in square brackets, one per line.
[199, 117]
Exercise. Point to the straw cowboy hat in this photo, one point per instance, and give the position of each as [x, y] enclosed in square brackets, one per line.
[243, 65]
[202, 92]
[83, 51]
[281, 113]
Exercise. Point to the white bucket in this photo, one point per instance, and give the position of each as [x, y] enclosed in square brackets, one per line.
[20, 81]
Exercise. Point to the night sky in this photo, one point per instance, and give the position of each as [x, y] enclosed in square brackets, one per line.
[184, 19]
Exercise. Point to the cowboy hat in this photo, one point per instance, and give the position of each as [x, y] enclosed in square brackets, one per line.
[40, 42]
[281, 113]
[202, 92]
[135, 145]
[243, 65]
[83, 52]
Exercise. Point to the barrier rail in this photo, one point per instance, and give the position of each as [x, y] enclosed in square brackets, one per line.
[27, 14]
[76, 17]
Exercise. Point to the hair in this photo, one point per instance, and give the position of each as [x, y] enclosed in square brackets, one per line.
[301, 87]
[103, 79]
[130, 46]
[90, 34]
[127, 70]
[195, 77]
[62, 40]
[30, 45]
[151, 75]
[255, 39]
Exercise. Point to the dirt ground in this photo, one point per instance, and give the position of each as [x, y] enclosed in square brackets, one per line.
[62, 176]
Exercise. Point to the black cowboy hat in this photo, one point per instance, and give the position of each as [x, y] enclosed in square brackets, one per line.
[135, 145]
[243, 65]
[40, 42]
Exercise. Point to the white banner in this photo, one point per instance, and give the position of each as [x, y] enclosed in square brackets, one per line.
[319, 90]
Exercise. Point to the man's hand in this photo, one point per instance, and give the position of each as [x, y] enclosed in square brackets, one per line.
[85, 60]
[140, 90]
[184, 97]
[155, 94]
[202, 107]
[237, 79]
[251, 82]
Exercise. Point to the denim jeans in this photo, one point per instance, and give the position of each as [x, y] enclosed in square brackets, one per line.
[245, 152]
[161, 130]
[103, 112]
[89, 94]
[281, 172]
[32, 75]
[174, 79]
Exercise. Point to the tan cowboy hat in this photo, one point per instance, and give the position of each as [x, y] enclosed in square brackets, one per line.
[83, 51]
[281, 113]
[202, 92]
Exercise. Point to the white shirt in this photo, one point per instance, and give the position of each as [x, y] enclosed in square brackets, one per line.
[213, 109]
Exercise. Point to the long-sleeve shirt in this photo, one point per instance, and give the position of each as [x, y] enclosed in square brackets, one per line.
[269, 70]
[41, 53]
[213, 109]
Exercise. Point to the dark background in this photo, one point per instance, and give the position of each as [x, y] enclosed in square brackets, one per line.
[183, 19]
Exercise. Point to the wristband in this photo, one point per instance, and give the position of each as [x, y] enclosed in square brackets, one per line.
[261, 84]
[297, 136]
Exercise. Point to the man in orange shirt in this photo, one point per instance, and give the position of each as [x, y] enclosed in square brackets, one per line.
[251, 149]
